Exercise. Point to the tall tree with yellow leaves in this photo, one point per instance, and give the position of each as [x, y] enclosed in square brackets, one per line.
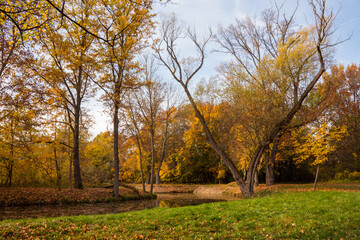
[69, 68]
[126, 26]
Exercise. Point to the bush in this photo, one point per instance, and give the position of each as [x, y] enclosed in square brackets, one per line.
[354, 176]
[342, 176]
[349, 176]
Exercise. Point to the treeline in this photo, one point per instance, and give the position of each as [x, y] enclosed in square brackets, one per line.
[271, 114]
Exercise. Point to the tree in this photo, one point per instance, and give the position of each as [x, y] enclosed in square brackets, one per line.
[125, 25]
[169, 129]
[277, 41]
[318, 144]
[27, 15]
[69, 71]
[133, 125]
[149, 99]
[344, 110]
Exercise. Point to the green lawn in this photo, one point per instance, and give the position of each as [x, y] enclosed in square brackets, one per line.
[294, 215]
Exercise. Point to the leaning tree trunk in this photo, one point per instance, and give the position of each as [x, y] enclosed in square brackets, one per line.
[250, 178]
[245, 189]
[256, 183]
[316, 176]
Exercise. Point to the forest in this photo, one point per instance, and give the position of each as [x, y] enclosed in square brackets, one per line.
[280, 111]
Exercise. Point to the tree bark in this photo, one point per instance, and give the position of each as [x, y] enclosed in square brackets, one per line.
[316, 176]
[116, 149]
[245, 188]
[57, 166]
[152, 159]
[69, 152]
[11, 161]
[270, 179]
[250, 179]
[270, 163]
[58, 174]
[162, 157]
[76, 140]
[141, 164]
[70, 172]
[76, 152]
[256, 181]
[148, 175]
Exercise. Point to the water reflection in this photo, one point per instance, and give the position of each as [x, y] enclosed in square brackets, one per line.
[163, 200]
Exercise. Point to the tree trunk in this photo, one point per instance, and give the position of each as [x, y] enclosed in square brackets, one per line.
[316, 176]
[270, 179]
[256, 180]
[11, 161]
[148, 175]
[152, 160]
[116, 149]
[250, 178]
[270, 163]
[69, 153]
[244, 170]
[58, 174]
[141, 165]
[76, 146]
[245, 189]
[76, 150]
[162, 157]
[70, 172]
[57, 167]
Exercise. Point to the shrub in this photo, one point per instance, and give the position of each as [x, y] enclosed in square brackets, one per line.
[348, 176]
[354, 176]
[342, 176]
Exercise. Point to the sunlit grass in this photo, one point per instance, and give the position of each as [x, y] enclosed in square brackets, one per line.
[295, 215]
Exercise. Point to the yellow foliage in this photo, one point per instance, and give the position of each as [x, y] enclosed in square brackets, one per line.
[318, 143]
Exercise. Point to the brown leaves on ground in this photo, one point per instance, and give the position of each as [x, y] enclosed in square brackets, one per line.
[173, 188]
[232, 189]
[33, 196]
[309, 187]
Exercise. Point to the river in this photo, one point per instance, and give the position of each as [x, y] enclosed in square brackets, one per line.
[163, 200]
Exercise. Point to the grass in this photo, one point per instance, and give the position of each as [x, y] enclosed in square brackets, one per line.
[286, 215]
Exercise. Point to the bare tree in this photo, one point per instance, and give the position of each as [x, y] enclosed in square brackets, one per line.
[134, 126]
[171, 100]
[149, 99]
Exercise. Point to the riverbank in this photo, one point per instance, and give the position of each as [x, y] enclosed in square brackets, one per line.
[232, 189]
[44, 196]
[282, 215]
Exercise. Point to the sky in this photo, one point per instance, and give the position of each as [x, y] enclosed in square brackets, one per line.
[202, 14]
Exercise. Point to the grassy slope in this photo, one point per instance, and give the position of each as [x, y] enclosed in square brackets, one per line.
[297, 215]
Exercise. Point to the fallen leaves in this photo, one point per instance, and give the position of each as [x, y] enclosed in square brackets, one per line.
[42, 196]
